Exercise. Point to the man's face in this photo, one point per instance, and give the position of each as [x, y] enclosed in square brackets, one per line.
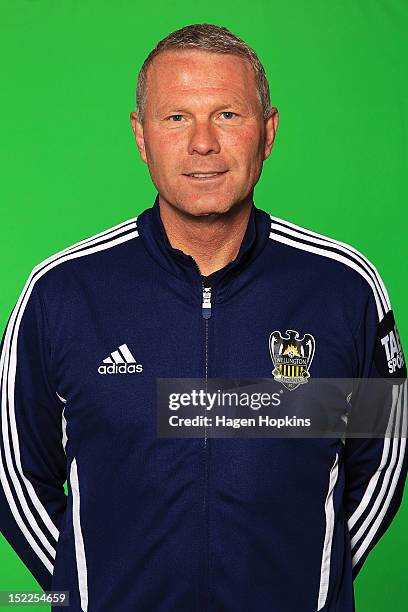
[203, 134]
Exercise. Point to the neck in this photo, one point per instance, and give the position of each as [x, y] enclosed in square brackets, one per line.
[212, 240]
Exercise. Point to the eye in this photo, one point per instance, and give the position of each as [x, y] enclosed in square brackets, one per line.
[228, 114]
[177, 118]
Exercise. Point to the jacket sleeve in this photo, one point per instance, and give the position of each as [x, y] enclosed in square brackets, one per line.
[376, 467]
[32, 454]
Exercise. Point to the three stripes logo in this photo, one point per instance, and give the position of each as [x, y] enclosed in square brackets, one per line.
[120, 361]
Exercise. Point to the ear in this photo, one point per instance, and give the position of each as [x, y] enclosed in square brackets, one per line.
[139, 136]
[271, 126]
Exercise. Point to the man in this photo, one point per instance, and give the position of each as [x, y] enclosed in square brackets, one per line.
[201, 285]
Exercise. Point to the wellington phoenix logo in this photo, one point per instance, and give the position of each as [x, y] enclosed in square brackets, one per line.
[292, 357]
[120, 361]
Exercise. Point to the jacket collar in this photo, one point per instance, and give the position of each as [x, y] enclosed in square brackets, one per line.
[154, 237]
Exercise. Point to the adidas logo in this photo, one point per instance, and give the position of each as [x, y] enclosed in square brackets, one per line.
[120, 362]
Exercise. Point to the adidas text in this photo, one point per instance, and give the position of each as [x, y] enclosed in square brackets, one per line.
[122, 368]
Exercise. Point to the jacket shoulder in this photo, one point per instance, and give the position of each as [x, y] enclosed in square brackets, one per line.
[80, 254]
[343, 262]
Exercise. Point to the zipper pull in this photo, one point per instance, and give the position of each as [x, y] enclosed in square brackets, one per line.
[206, 306]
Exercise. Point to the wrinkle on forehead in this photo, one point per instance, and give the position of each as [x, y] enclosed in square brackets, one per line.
[217, 66]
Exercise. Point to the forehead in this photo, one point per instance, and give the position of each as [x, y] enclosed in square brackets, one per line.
[194, 70]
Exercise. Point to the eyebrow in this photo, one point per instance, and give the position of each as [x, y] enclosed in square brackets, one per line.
[168, 108]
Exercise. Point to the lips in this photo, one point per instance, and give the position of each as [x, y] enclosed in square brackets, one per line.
[205, 174]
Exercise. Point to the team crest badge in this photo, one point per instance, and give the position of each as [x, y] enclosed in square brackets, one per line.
[292, 357]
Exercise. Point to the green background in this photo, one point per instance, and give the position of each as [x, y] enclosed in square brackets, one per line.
[69, 165]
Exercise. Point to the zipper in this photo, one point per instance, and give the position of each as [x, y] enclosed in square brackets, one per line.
[206, 315]
[206, 305]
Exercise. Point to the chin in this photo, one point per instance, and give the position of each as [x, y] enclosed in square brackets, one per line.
[200, 205]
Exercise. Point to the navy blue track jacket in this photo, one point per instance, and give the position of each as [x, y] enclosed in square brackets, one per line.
[194, 525]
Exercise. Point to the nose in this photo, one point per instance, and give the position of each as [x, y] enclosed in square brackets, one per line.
[203, 139]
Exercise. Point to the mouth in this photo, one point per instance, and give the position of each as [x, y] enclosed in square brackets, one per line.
[205, 176]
